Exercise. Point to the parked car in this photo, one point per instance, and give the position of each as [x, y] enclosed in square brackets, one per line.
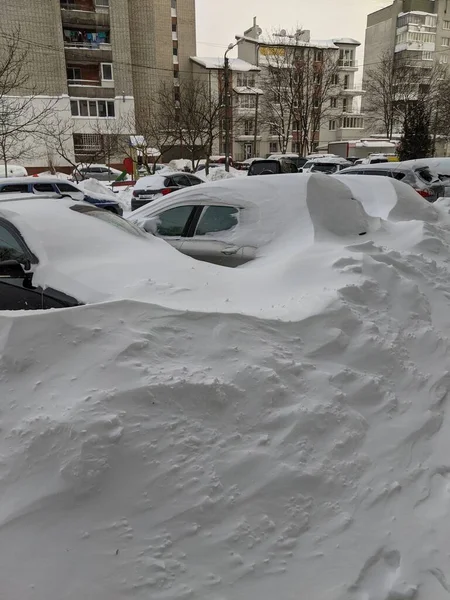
[439, 165]
[231, 222]
[328, 165]
[298, 161]
[99, 172]
[71, 240]
[202, 166]
[13, 171]
[272, 166]
[148, 189]
[422, 179]
[43, 186]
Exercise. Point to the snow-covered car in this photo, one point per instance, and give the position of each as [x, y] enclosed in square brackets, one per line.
[13, 171]
[328, 165]
[43, 186]
[72, 243]
[99, 172]
[148, 189]
[422, 179]
[298, 161]
[230, 222]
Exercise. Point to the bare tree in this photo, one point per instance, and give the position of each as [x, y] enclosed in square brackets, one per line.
[395, 82]
[298, 84]
[22, 110]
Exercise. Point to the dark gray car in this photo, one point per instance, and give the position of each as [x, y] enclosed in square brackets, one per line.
[425, 181]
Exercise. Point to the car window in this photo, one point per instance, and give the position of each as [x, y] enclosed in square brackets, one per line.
[43, 187]
[398, 175]
[66, 187]
[109, 217]
[425, 174]
[217, 218]
[181, 180]
[172, 222]
[380, 173]
[324, 168]
[194, 180]
[8, 189]
[10, 247]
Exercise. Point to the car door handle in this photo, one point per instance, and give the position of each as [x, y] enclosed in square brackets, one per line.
[230, 250]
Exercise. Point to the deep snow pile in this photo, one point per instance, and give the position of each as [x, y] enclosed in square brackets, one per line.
[165, 453]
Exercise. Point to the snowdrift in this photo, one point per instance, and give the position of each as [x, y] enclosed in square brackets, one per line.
[293, 446]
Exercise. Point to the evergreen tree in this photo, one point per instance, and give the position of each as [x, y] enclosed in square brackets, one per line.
[416, 140]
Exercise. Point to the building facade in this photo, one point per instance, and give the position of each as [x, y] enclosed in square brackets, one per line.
[341, 117]
[99, 61]
[415, 30]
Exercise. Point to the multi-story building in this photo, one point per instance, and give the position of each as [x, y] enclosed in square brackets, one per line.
[243, 81]
[101, 60]
[341, 120]
[415, 30]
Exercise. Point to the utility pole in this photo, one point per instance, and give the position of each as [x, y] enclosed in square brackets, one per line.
[226, 68]
[227, 108]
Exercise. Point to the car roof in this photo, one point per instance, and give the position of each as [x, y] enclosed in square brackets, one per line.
[157, 180]
[30, 179]
[329, 160]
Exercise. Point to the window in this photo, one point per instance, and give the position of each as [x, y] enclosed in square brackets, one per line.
[174, 27]
[172, 222]
[179, 180]
[217, 218]
[10, 249]
[247, 101]
[194, 180]
[66, 187]
[443, 59]
[102, 3]
[246, 80]
[248, 127]
[332, 125]
[446, 25]
[273, 129]
[352, 123]
[427, 56]
[346, 58]
[174, 3]
[74, 108]
[318, 55]
[21, 188]
[335, 79]
[44, 187]
[345, 105]
[73, 73]
[333, 102]
[316, 103]
[445, 42]
[83, 104]
[175, 51]
[107, 72]
[273, 147]
[92, 108]
[346, 82]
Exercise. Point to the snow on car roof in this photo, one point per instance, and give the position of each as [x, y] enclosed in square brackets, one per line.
[37, 180]
[155, 181]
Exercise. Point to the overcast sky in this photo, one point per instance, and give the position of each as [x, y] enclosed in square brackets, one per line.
[218, 21]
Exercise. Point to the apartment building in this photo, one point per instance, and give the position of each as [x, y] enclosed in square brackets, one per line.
[101, 60]
[418, 30]
[342, 119]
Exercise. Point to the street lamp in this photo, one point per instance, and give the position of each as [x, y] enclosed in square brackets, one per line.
[226, 61]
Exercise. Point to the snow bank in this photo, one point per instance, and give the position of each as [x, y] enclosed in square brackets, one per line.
[295, 446]
[100, 189]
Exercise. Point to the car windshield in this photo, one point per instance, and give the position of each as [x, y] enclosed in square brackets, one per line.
[108, 217]
[425, 174]
[324, 168]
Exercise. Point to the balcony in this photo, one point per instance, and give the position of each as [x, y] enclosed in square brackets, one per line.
[352, 91]
[348, 64]
[84, 89]
[87, 45]
[85, 13]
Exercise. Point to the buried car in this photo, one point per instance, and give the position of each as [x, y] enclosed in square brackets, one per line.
[229, 222]
[59, 253]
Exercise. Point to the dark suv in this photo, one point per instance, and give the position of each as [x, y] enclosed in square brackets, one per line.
[272, 166]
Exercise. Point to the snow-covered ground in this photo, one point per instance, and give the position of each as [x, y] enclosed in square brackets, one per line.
[153, 451]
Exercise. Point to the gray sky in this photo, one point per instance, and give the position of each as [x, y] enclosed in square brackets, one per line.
[218, 21]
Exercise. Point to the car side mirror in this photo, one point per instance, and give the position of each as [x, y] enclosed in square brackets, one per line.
[300, 170]
[11, 268]
[151, 225]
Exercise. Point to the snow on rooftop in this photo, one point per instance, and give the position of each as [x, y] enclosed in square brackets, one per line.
[349, 41]
[236, 64]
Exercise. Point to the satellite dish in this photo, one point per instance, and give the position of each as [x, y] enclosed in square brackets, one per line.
[259, 31]
[283, 32]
